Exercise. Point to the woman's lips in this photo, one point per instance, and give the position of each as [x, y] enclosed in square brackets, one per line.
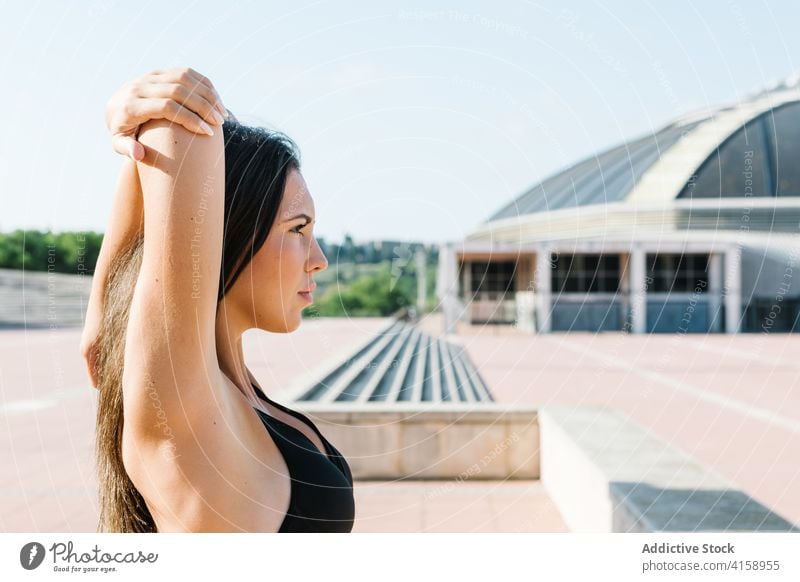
[307, 296]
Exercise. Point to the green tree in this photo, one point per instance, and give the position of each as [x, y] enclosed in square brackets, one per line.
[367, 295]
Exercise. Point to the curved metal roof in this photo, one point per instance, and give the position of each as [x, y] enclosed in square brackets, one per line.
[653, 169]
[606, 177]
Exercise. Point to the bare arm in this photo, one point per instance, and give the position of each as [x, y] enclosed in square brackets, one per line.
[170, 345]
[125, 225]
[182, 96]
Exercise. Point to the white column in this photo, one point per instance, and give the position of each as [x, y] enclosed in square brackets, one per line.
[525, 304]
[447, 286]
[715, 290]
[524, 296]
[624, 292]
[422, 287]
[543, 289]
[637, 283]
[466, 291]
[733, 289]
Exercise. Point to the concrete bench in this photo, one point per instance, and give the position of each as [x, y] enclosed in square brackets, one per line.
[418, 440]
[605, 473]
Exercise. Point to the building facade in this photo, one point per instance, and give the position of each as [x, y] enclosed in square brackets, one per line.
[694, 228]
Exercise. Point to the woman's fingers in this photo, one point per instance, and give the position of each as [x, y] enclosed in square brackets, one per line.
[136, 150]
[192, 100]
[127, 145]
[193, 81]
[206, 82]
[182, 96]
[143, 110]
[163, 108]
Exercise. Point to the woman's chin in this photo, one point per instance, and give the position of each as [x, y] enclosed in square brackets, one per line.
[292, 324]
[289, 324]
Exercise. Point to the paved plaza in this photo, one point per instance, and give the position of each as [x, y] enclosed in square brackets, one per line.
[731, 402]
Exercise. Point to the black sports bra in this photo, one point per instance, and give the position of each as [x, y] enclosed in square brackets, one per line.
[321, 498]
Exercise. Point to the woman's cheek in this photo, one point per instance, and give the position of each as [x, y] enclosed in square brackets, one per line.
[299, 252]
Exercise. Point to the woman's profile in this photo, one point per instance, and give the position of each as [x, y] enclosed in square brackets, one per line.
[211, 234]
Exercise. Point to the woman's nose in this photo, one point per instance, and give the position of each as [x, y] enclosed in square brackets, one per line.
[318, 260]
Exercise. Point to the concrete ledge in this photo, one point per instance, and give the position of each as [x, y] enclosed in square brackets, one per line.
[607, 474]
[432, 441]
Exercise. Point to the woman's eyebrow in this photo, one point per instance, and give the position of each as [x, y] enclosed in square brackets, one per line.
[306, 216]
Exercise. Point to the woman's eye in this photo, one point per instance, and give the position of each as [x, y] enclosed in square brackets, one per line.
[299, 226]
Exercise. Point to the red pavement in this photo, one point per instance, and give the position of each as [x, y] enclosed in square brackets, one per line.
[47, 416]
[730, 401]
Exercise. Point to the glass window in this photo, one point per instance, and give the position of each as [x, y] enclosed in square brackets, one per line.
[783, 129]
[585, 273]
[496, 276]
[738, 168]
[681, 273]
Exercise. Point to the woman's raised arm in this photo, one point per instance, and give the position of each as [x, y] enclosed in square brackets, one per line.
[180, 95]
[124, 226]
[170, 343]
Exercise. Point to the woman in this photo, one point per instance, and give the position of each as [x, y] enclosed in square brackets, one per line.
[186, 439]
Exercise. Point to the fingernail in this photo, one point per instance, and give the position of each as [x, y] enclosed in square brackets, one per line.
[206, 128]
[217, 117]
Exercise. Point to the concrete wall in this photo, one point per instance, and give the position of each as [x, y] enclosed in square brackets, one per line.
[604, 472]
[485, 441]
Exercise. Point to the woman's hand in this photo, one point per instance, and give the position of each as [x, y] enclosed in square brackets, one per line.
[183, 96]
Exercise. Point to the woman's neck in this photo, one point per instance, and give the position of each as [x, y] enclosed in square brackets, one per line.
[229, 331]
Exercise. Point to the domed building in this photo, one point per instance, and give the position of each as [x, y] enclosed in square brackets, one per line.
[693, 228]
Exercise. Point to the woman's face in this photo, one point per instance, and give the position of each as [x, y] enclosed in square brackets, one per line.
[285, 264]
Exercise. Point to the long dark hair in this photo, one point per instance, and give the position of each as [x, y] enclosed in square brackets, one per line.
[257, 161]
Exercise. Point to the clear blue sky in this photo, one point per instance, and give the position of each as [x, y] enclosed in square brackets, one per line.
[415, 123]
